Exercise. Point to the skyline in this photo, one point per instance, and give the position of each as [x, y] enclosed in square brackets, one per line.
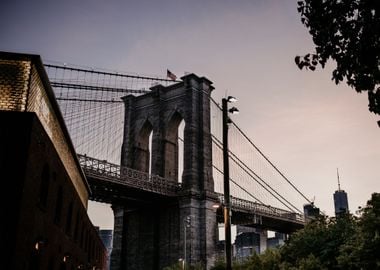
[301, 120]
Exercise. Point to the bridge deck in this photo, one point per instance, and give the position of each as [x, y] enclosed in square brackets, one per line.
[250, 212]
[101, 169]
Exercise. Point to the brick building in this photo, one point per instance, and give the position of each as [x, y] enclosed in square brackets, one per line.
[44, 223]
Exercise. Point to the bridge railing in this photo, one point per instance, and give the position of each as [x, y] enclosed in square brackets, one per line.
[126, 176]
[262, 209]
[101, 169]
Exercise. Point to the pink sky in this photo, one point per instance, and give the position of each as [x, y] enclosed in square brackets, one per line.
[301, 120]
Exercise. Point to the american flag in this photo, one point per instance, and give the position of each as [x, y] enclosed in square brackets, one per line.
[170, 75]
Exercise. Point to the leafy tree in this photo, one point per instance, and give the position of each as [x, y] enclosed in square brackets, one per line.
[318, 243]
[309, 263]
[347, 31]
[346, 242]
[361, 252]
[220, 264]
[269, 260]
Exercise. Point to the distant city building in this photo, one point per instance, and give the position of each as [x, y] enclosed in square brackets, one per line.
[246, 244]
[249, 241]
[45, 223]
[310, 211]
[254, 240]
[107, 237]
[340, 200]
[276, 241]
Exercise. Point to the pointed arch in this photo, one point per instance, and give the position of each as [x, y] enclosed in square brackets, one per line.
[142, 148]
[171, 149]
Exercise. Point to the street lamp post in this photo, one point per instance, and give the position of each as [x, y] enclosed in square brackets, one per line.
[226, 172]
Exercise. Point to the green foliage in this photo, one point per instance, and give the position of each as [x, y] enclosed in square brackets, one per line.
[179, 266]
[220, 264]
[310, 263]
[269, 260]
[254, 262]
[176, 266]
[319, 242]
[362, 251]
[197, 266]
[346, 242]
[347, 31]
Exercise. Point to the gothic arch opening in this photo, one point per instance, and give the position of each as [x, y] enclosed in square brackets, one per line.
[143, 148]
[173, 148]
[181, 148]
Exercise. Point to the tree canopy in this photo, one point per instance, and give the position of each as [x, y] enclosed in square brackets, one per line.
[346, 242]
[348, 32]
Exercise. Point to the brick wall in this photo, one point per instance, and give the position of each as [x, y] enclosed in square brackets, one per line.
[14, 82]
[22, 89]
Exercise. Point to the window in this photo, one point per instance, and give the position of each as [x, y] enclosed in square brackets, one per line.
[44, 186]
[76, 227]
[69, 218]
[58, 206]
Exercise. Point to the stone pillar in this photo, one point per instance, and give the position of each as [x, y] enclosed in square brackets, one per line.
[201, 237]
[117, 246]
[198, 183]
[140, 241]
[263, 240]
[128, 137]
[154, 233]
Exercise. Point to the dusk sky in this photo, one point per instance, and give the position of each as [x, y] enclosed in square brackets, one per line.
[301, 120]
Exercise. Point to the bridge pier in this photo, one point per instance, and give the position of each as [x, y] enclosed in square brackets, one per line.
[117, 252]
[150, 235]
[201, 235]
[145, 237]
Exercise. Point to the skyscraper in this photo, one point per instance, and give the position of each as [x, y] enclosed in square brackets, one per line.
[340, 199]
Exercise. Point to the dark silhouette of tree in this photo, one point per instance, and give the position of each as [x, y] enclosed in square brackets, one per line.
[346, 243]
[319, 244]
[348, 32]
[361, 250]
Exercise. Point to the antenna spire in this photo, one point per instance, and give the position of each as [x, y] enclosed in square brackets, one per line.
[337, 174]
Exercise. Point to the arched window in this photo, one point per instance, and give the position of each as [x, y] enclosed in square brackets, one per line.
[173, 156]
[181, 147]
[142, 154]
[150, 151]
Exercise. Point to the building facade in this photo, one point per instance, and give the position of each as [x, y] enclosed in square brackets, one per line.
[340, 202]
[46, 225]
[107, 238]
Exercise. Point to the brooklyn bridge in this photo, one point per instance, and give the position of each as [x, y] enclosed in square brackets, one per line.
[152, 148]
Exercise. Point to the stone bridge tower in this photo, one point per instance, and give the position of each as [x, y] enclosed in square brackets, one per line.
[151, 235]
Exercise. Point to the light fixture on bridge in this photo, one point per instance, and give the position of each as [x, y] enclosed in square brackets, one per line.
[231, 99]
[216, 205]
[233, 110]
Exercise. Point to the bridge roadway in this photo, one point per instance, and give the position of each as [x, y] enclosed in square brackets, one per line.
[111, 183]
